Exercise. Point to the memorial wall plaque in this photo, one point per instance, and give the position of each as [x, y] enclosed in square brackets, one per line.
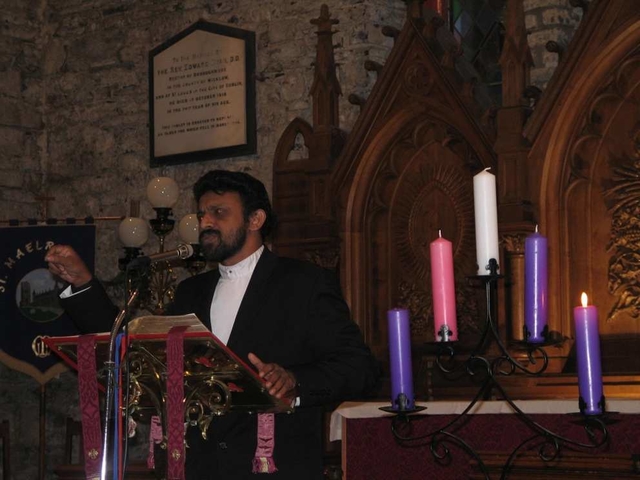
[202, 95]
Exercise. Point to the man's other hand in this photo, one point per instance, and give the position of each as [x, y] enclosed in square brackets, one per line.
[67, 264]
[280, 382]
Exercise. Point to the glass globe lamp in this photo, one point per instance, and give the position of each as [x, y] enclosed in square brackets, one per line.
[189, 229]
[133, 233]
[163, 193]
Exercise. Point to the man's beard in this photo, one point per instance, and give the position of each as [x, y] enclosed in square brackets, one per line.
[225, 248]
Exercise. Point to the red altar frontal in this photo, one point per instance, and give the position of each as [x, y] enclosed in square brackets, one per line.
[371, 452]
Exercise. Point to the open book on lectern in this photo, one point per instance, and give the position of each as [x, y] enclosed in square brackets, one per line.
[216, 380]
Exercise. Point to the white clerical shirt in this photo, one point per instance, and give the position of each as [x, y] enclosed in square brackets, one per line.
[233, 283]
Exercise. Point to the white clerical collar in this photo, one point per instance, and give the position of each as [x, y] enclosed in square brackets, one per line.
[243, 268]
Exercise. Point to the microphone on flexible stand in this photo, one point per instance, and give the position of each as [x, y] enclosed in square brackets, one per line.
[183, 251]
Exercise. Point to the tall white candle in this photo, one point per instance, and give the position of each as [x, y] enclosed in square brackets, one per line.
[486, 214]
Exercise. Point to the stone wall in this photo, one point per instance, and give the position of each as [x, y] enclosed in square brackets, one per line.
[22, 133]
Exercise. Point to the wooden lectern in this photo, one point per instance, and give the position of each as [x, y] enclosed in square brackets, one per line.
[215, 380]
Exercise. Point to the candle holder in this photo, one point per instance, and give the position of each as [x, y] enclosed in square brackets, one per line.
[444, 334]
[403, 406]
[493, 268]
[582, 405]
[489, 371]
[527, 335]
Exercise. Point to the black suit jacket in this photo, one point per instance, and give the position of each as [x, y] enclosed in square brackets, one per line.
[293, 314]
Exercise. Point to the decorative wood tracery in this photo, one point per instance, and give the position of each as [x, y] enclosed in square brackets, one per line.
[594, 196]
[576, 157]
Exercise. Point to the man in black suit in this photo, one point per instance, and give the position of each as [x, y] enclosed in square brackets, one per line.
[285, 317]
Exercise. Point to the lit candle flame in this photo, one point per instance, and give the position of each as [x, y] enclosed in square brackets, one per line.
[584, 299]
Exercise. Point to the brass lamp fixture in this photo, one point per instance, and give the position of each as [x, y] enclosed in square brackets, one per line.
[159, 288]
[163, 193]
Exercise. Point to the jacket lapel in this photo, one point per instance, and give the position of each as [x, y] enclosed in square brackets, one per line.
[203, 305]
[252, 299]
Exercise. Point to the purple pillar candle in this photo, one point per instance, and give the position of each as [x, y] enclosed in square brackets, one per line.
[535, 287]
[400, 359]
[588, 358]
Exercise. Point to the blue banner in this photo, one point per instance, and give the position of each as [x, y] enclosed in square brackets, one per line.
[29, 294]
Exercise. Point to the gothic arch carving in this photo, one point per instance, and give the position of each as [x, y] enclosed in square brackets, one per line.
[287, 140]
[413, 179]
[590, 149]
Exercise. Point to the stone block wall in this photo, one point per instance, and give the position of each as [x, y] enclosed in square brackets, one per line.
[22, 134]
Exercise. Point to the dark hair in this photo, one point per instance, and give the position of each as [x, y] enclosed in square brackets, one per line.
[252, 193]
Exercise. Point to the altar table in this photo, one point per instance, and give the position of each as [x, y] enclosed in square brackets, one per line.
[370, 451]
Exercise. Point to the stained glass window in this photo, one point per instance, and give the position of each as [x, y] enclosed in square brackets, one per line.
[477, 26]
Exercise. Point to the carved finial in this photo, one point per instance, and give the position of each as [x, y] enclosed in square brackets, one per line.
[389, 31]
[430, 29]
[516, 59]
[325, 89]
[555, 47]
[371, 66]
[324, 21]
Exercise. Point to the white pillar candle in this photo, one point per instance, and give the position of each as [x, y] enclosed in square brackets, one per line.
[486, 214]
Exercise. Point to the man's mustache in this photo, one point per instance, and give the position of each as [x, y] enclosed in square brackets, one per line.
[209, 231]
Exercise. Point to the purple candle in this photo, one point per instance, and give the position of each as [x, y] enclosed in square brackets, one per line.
[588, 350]
[535, 287]
[400, 359]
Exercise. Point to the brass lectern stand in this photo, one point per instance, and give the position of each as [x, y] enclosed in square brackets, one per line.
[215, 380]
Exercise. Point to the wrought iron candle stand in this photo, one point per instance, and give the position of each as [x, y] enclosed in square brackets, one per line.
[547, 442]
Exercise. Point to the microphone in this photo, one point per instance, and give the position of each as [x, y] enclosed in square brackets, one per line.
[183, 251]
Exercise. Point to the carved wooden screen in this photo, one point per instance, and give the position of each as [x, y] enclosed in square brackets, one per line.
[586, 158]
[406, 173]
[599, 202]
[417, 181]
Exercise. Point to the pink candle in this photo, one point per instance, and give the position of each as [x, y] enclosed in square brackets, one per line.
[443, 290]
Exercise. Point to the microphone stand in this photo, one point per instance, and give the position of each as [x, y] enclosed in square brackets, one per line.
[110, 367]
